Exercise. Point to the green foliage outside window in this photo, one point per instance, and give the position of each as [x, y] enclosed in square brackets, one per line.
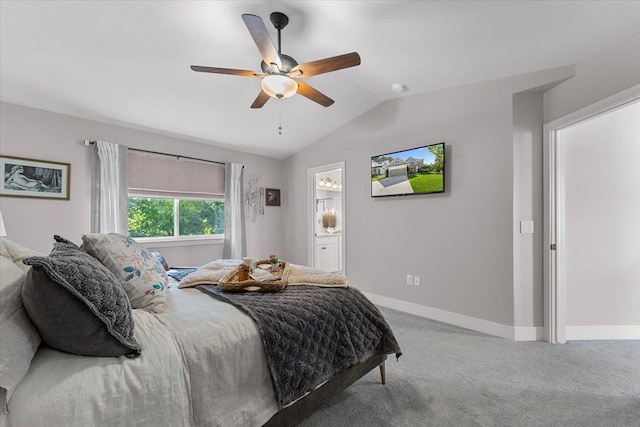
[154, 217]
[150, 217]
[198, 217]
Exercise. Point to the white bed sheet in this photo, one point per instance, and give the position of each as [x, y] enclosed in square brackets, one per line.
[202, 364]
[230, 380]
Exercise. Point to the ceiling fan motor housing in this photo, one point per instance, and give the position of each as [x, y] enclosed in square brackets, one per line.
[287, 64]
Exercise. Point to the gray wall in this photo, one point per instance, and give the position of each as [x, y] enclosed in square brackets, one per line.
[27, 132]
[527, 205]
[597, 77]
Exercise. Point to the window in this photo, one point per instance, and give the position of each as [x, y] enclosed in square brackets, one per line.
[173, 198]
[163, 217]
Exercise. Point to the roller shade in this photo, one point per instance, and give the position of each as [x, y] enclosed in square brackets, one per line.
[161, 176]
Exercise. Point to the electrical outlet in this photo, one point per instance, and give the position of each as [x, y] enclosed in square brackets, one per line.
[409, 279]
[416, 280]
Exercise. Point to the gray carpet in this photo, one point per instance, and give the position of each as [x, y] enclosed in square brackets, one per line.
[449, 376]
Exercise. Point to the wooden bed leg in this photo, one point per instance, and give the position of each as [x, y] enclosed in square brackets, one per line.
[382, 373]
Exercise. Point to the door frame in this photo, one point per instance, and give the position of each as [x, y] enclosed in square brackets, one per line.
[311, 198]
[554, 286]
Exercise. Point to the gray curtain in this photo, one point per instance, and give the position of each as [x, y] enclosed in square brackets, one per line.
[234, 233]
[109, 192]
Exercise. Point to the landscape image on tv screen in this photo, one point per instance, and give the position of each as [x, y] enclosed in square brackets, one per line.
[415, 171]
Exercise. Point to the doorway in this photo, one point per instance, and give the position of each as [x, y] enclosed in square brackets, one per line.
[326, 217]
[563, 198]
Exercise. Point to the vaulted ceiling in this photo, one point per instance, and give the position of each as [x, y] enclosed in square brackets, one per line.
[127, 62]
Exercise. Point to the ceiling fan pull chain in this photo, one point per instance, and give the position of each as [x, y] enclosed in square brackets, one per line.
[279, 116]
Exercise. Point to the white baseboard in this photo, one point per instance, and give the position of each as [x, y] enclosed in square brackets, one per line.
[467, 322]
[528, 333]
[621, 332]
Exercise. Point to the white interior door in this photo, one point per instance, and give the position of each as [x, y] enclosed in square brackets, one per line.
[590, 237]
[327, 217]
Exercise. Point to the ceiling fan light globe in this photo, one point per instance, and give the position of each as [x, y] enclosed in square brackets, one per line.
[279, 86]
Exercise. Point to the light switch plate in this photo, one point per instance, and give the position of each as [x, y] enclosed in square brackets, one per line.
[526, 227]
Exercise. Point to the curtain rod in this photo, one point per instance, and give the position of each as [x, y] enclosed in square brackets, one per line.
[177, 156]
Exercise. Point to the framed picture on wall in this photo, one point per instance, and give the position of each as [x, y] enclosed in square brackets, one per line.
[272, 197]
[40, 179]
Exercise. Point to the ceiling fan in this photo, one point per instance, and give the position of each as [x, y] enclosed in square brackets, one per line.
[281, 73]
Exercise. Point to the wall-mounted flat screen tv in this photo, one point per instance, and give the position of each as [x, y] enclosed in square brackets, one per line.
[414, 171]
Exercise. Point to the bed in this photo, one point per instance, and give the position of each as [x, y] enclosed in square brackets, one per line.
[200, 362]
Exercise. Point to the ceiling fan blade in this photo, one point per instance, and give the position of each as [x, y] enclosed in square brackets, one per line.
[260, 100]
[311, 93]
[260, 36]
[328, 64]
[244, 73]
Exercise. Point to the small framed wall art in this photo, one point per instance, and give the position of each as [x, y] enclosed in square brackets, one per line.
[272, 197]
[41, 179]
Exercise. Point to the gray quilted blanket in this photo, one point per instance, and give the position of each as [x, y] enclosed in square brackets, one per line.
[311, 334]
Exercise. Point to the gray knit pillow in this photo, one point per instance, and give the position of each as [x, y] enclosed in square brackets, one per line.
[77, 304]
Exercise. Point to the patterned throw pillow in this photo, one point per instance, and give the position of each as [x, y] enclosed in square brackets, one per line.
[141, 275]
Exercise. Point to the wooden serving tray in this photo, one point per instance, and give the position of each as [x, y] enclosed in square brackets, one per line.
[231, 282]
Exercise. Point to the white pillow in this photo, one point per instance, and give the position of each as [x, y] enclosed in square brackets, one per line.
[143, 278]
[19, 338]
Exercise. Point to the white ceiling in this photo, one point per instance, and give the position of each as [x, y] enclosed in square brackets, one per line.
[127, 62]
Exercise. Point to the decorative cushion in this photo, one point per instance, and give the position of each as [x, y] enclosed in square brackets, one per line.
[141, 275]
[180, 273]
[77, 305]
[161, 260]
[19, 338]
